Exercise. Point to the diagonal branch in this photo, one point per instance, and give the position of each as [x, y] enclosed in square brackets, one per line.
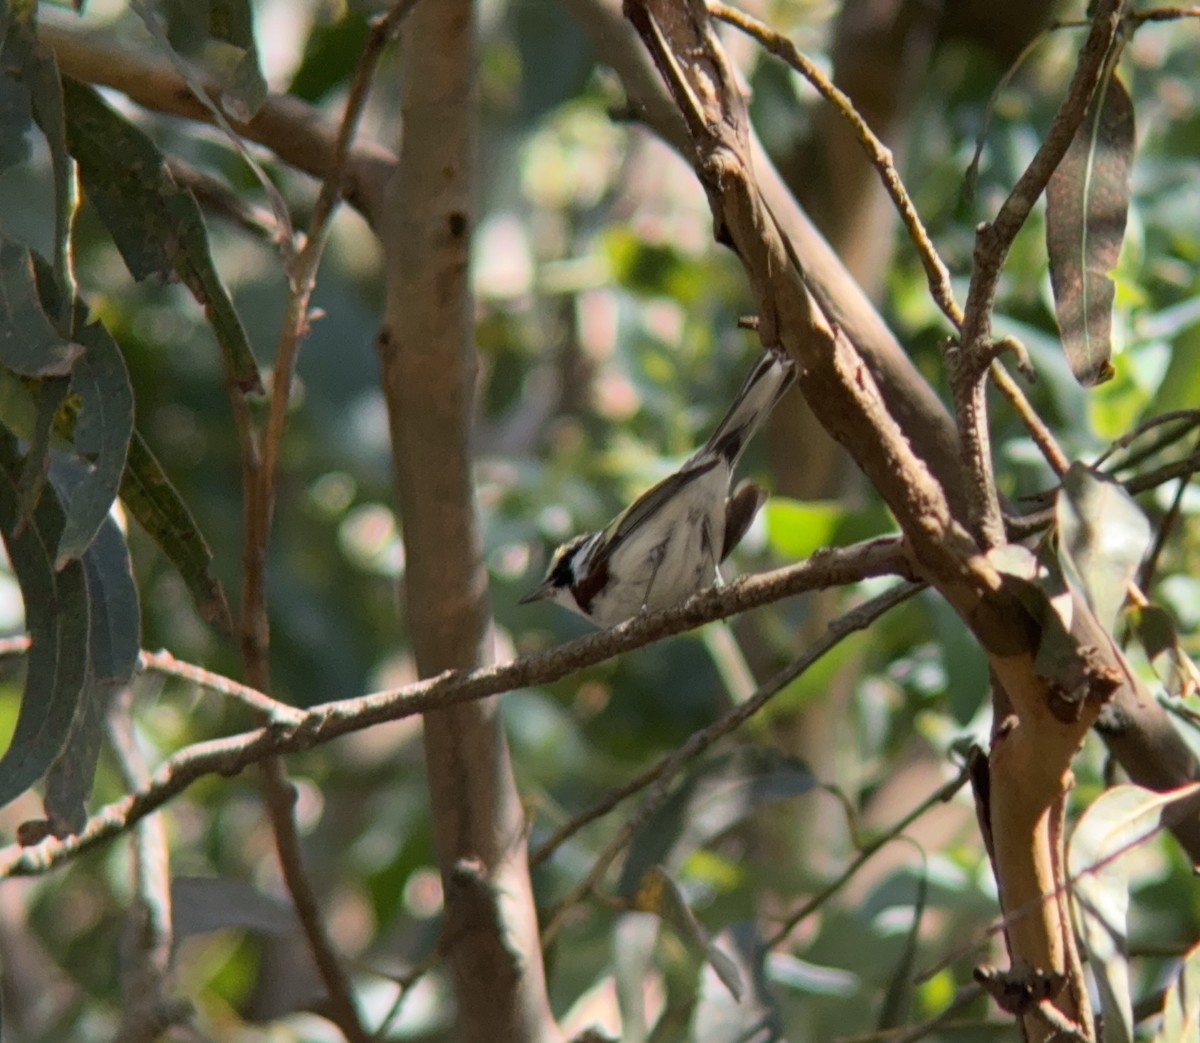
[328, 721]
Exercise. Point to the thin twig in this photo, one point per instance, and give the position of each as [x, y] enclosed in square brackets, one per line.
[1189, 419]
[275, 712]
[878, 154]
[1042, 436]
[943, 1020]
[661, 774]
[323, 723]
[939, 796]
[1169, 521]
[281, 803]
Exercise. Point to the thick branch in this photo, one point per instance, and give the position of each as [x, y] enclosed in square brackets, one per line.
[427, 356]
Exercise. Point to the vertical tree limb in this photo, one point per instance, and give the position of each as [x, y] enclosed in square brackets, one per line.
[428, 363]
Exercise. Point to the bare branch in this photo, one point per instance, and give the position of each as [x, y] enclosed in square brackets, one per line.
[281, 804]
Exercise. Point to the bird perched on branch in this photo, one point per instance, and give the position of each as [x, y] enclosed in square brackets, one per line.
[670, 542]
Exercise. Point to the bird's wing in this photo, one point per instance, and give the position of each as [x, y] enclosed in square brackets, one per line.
[652, 501]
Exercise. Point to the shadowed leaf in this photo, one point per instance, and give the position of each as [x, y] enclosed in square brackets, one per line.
[1155, 629]
[1103, 536]
[103, 428]
[56, 617]
[156, 225]
[721, 793]
[29, 343]
[1181, 1005]
[720, 1015]
[153, 501]
[1087, 204]
[113, 642]
[659, 894]
[1097, 857]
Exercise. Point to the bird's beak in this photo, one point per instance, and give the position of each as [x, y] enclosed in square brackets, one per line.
[539, 593]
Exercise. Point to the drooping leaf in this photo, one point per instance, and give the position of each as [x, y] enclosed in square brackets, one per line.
[203, 904]
[217, 35]
[1103, 536]
[50, 394]
[1097, 858]
[45, 85]
[1155, 629]
[634, 939]
[113, 644]
[658, 893]
[103, 429]
[29, 342]
[232, 22]
[898, 1000]
[156, 225]
[1087, 204]
[16, 116]
[56, 617]
[1181, 1005]
[715, 798]
[154, 502]
[720, 1016]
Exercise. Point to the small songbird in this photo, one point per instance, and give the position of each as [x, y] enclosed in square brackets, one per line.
[670, 542]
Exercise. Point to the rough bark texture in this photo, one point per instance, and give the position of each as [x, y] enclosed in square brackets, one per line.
[428, 361]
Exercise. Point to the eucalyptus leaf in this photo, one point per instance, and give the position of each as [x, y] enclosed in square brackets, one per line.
[30, 344]
[715, 797]
[57, 619]
[103, 429]
[1098, 860]
[1087, 205]
[658, 893]
[1102, 536]
[156, 225]
[1181, 1005]
[159, 509]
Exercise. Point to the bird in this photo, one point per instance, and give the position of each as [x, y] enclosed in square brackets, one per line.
[670, 542]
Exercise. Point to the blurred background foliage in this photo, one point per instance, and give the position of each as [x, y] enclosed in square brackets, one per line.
[608, 347]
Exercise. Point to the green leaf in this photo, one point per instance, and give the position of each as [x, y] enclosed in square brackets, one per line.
[45, 85]
[56, 617]
[232, 22]
[50, 394]
[156, 225]
[1154, 627]
[1181, 1005]
[1115, 824]
[29, 343]
[721, 1016]
[113, 644]
[159, 509]
[657, 893]
[1102, 536]
[1087, 205]
[898, 1001]
[103, 429]
[796, 529]
[712, 800]
[16, 117]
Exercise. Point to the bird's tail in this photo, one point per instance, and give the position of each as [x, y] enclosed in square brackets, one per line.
[765, 385]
